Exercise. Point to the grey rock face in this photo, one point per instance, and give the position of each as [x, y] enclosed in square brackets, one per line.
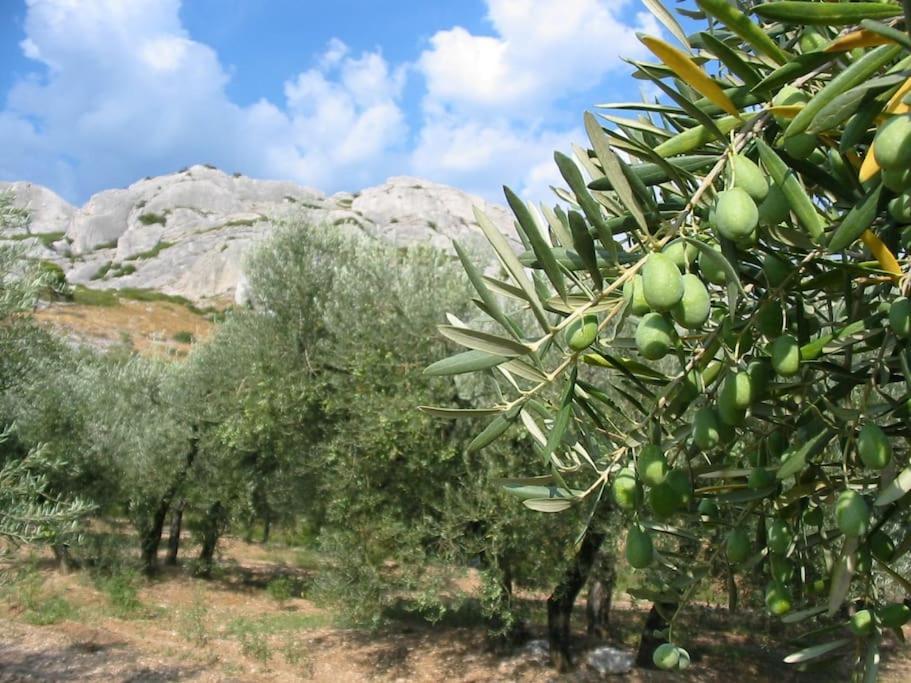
[189, 233]
[49, 212]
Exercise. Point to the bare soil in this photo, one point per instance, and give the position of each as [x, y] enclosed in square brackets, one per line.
[148, 327]
[231, 629]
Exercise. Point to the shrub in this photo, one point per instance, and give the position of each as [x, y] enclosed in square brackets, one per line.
[184, 337]
[152, 218]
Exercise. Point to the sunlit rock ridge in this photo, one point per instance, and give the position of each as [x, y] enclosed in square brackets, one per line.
[189, 233]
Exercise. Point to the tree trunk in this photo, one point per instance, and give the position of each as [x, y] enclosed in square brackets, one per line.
[151, 538]
[648, 641]
[212, 527]
[267, 527]
[248, 533]
[174, 535]
[732, 590]
[62, 556]
[560, 603]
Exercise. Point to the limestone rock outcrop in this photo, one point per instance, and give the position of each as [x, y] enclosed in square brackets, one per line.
[189, 233]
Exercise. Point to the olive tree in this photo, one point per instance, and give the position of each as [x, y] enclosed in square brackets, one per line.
[29, 509]
[719, 344]
[390, 492]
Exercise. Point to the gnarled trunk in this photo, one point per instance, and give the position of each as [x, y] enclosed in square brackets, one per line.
[212, 527]
[151, 537]
[561, 601]
[174, 534]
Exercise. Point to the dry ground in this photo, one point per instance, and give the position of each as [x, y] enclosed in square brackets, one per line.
[149, 327]
[57, 627]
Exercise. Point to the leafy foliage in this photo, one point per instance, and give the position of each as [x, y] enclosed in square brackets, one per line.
[742, 243]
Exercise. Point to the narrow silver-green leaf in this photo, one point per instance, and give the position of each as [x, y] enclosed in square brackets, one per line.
[539, 491]
[548, 504]
[489, 434]
[524, 370]
[859, 218]
[585, 247]
[794, 192]
[483, 341]
[802, 615]
[461, 363]
[581, 196]
[795, 458]
[731, 59]
[861, 70]
[539, 245]
[613, 170]
[455, 413]
[841, 575]
[511, 262]
[557, 226]
[897, 488]
[816, 651]
[474, 276]
[666, 18]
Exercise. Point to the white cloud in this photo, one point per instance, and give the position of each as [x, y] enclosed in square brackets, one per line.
[543, 50]
[482, 155]
[126, 92]
[493, 102]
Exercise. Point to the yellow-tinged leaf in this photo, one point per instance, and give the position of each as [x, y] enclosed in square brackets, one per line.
[881, 253]
[895, 104]
[690, 72]
[785, 111]
[868, 168]
[861, 38]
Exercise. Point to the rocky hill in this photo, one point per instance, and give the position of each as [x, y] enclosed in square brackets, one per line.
[188, 233]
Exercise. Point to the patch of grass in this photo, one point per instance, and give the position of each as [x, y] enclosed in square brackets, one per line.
[245, 222]
[48, 238]
[255, 645]
[153, 252]
[19, 237]
[184, 337]
[279, 623]
[289, 198]
[26, 591]
[50, 610]
[432, 225]
[192, 623]
[137, 294]
[107, 245]
[211, 167]
[121, 270]
[122, 590]
[151, 218]
[298, 655]
[94, 297]
[281, 589]
[104, 270]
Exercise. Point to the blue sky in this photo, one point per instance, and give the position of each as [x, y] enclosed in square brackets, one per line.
[336, 95]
